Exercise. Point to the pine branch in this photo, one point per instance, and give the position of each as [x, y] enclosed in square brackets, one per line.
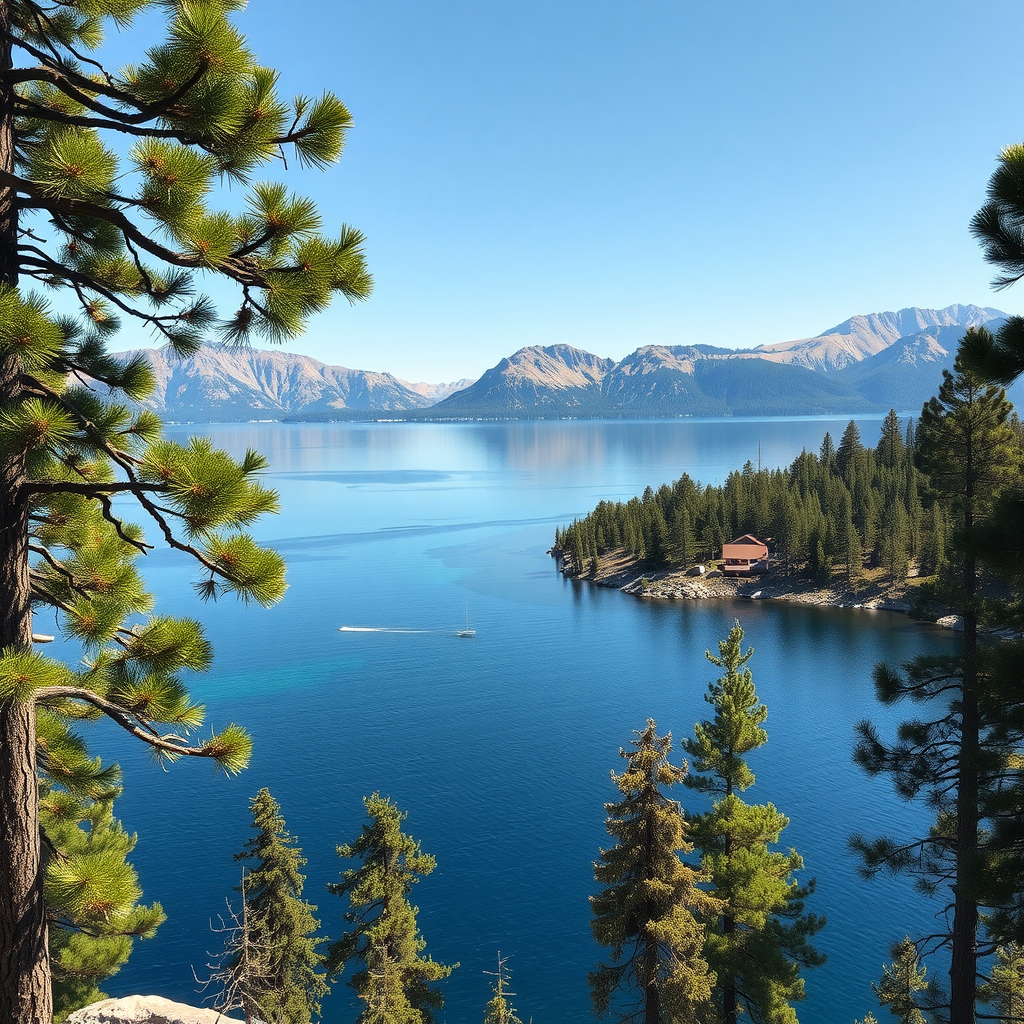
[79, 88]
[27, 108]
[91, 490]
[50, 269]
[168, 743]
[139, 490]
[57, 56]
[84, 208]
[59, 567]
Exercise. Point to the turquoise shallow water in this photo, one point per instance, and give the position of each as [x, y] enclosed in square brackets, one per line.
[499, 747]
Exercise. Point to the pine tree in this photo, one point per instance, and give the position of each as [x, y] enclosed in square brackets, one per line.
[851, 549]
[820, 564]
[890, 451]
[499, 1010]
[958, 756]
[827, 453]
[648, 911]
[933, 552]
[682, 541]
[394, 980]
[850, 454]
[126, 233]
[1004, 988]
[900, 981]
[281, 922]
[785, 527]
[893, 541]
[764, 936]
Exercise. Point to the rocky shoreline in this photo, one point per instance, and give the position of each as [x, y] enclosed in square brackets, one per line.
[622, 573]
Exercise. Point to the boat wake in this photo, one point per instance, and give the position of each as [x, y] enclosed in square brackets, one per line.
[382, 629]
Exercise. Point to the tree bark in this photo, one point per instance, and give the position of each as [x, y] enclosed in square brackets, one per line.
[652, 1010]
[964, 964]
[729, 1008]
[963, 969]
[729, 1004]
[24, 955]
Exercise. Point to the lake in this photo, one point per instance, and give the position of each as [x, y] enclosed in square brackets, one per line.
[500, 747]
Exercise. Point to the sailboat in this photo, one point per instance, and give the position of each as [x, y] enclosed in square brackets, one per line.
[467, 633]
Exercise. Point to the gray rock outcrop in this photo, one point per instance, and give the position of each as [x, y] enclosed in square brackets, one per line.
[145, 1010]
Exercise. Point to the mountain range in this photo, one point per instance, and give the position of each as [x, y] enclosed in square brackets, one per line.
[238, 384]
[867, 363]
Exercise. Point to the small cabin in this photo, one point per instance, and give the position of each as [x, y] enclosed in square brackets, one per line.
[745, 556]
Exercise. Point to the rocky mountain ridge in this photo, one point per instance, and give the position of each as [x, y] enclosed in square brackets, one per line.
[864, 336]
[862, 365]
[867, 363]
[233, 384]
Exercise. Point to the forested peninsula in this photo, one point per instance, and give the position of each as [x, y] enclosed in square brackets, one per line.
[847, 525]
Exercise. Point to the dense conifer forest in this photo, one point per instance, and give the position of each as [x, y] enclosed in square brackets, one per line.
[834, 513]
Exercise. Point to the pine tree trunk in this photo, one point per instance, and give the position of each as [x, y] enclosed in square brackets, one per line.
[651, 953]
[652, 1014]
[963, 968]
[24, 957]
[652, 1007]
[729, 1009]
[729, 928]
[964, 964]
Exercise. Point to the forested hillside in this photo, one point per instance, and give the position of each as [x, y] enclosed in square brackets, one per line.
[841, 510]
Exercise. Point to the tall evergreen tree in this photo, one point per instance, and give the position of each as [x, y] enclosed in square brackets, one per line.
[384, 944]
[890, 451]
[849, 454]
[933, 554]
[827, 453]
[852, 552]
[281, 923]
[763, 938]
[900, 981]
[719, 746]
[894, 542]
[648, 911]
[126, 233]
[957, 757]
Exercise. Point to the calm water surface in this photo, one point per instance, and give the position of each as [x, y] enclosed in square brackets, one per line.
[499, 747]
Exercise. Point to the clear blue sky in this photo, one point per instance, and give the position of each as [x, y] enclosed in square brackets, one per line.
[612, 175]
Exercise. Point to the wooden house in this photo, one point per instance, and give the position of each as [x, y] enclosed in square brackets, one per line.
[744, 556]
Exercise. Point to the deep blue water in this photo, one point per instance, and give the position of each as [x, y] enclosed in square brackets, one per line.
[499, 747]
